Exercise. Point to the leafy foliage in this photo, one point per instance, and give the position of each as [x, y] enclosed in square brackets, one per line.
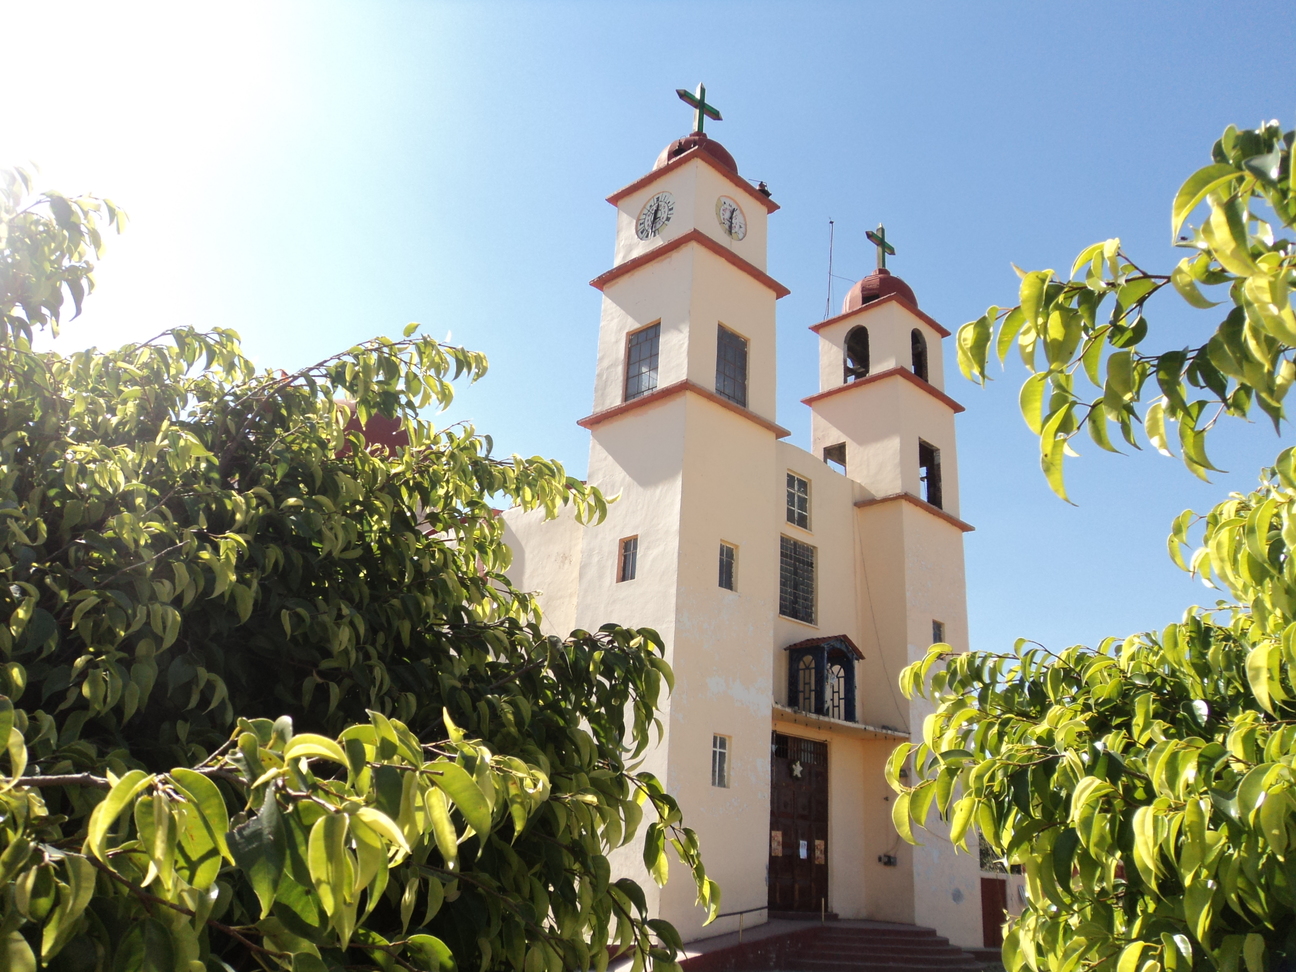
[1147, 785]
[1247, 361]
[269, 699]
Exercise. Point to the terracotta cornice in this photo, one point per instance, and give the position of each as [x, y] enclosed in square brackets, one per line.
[922, 505]
[904, 373]
[873, 305]
[692, 236]
[681, 160]
[671, 391]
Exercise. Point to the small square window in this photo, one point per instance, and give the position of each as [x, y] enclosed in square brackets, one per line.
[728, 562]
[938, 632]
[720, 761]
[629, 559]
[798, 501]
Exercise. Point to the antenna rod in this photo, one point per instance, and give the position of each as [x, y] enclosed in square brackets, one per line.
[828, 302]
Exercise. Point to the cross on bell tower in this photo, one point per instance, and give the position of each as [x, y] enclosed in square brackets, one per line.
[701, 110]
[884, 248]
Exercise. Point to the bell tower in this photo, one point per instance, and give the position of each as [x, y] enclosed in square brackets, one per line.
[881, 412]
[683, 431]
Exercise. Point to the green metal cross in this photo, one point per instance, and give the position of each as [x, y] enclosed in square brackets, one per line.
[701, 110]
[879, 240]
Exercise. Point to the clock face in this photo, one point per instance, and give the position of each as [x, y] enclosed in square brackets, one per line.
[731, 217]
[656, 214]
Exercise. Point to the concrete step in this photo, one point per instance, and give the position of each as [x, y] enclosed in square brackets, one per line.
[868, 938]
[950, 957]
[868, 965]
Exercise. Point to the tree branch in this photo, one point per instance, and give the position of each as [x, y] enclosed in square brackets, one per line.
[148, 898]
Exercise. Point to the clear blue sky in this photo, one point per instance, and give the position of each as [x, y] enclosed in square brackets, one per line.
[313, 174]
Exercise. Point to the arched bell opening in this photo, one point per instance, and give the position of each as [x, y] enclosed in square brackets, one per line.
[857, 354]
[918, 347]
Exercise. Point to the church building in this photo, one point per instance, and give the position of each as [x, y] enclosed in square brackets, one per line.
[790, 587]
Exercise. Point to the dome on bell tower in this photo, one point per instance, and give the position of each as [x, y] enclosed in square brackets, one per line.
[696, 140]
[878, 284]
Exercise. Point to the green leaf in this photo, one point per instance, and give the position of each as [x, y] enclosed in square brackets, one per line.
[429, 954]
[258, 847]
[107, 812]
[310, 745]
[464, 791]
[145, 947]
[1032, 401]
[207, 801]
[1197, 187]
[1254, 952]
[1182, 279]
[16, 955]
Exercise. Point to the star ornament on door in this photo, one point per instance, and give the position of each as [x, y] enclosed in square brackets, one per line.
[797, 769]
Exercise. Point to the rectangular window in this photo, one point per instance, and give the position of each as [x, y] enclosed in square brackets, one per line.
[728, 560]
[836, 455]
[641, 362]
[938, 632]
[798, 501]
[930, 473]
[629, 559]
[720, 761]
[796, 580]
[731, 367]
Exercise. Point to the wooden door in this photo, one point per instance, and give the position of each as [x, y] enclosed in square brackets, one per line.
[994, 910]
[798, 863]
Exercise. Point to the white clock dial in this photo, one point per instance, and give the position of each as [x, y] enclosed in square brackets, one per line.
[731, 217]
[656, 214]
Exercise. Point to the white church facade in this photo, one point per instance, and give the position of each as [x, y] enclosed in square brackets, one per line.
[790, 587]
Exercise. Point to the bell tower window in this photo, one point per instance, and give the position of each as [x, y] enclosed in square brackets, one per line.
[857, 354]
[731, 366]
[930, 473]
[918, 345]
[641, 362]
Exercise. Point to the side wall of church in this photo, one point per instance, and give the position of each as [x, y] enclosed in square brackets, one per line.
[947, 884]
[546, 561]
[636, 457]
[721, 653]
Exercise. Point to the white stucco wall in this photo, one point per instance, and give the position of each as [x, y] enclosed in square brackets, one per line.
[546, 561]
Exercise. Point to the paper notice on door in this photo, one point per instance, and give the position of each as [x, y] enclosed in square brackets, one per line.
[776, 843]
[821, 856]
[804, 849]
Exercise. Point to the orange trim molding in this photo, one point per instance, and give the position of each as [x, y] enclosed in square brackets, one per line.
[922, 505]
[681, 160]
[670, 391]
[692, 236]
[889, 298]
[904, 373]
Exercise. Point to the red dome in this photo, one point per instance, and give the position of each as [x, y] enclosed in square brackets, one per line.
[878, 284]
[698, 140]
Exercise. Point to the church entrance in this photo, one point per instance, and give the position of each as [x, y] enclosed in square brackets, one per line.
[798, 861]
